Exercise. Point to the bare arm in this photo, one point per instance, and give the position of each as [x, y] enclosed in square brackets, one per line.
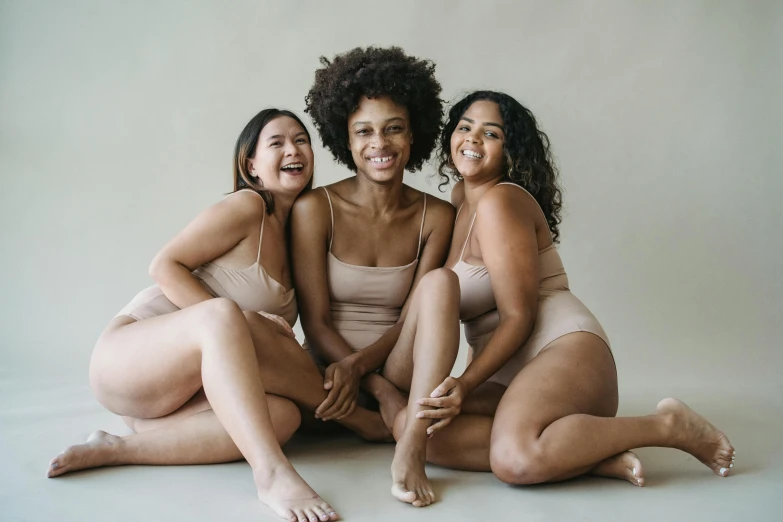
[310, 225]
[506, 231]
[211, 234]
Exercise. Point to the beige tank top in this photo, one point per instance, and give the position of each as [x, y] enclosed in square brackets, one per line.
[251, 288]
[366, 301]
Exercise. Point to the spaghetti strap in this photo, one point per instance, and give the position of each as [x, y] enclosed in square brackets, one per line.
[261, 236]
[470, 230]
[421, 228]
[331, 215]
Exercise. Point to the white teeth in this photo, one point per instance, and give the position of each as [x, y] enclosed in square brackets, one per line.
[471, 154]
[293, 166]
[381, 160]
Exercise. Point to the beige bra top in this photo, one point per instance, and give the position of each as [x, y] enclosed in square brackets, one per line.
[251, 288]
[361, 295]
[476, 296]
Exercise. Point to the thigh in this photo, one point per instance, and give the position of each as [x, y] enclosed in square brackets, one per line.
[150, 368]
[484, 400]
[573, 374]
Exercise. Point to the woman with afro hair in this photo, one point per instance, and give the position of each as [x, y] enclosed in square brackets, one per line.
[363, 244]
[537, 403]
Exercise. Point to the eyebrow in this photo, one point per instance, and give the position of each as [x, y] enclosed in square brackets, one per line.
[487, 123]
[278, 136]
[387, 121]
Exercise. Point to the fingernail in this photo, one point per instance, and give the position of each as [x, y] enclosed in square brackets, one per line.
[723, 471]
[418, 415]
[634, 471]
[55, 465]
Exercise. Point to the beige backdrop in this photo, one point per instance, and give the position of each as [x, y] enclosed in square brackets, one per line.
[117, 124]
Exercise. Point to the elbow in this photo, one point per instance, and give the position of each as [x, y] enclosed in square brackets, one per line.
[159, 267]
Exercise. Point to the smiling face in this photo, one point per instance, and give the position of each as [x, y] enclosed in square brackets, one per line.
[283, 159]
[379, 136]
[477, 141]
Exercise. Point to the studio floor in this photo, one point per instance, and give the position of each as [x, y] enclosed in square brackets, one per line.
[39, 417]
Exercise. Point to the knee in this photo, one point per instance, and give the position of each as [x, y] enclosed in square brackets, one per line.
[220, 315]
[441, 281]
[517, 462]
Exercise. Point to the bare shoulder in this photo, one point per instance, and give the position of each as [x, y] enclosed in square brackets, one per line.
[312, 205]
[243, 206]
[440, 209]
[504, 202]
[458, 194]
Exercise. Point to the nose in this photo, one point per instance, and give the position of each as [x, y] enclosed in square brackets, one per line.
[378, 140]
[290, 148]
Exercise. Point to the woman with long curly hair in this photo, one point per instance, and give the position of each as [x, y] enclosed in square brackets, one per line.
[538, 400]
[364, 243]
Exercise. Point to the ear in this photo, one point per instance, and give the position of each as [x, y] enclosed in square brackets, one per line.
[251, 169]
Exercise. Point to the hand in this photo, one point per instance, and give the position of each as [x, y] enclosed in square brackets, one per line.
[284, 329]
[447, 401]
[342, 381]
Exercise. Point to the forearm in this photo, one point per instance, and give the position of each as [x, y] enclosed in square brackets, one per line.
[374, 356]
[179, 285]
[324, 340]
[508, 337]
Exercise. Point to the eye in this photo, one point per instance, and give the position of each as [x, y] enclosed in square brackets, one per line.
[463, 128]
[362, 132]
[491, 134]
[394, 128]
[302, 140]
[275, 144]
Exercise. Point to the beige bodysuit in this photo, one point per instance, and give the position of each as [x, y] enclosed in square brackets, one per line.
[559, 311]
[251, 288]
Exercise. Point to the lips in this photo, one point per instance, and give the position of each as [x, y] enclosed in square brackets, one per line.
[293, 168]
[471, 154]
[382, 162]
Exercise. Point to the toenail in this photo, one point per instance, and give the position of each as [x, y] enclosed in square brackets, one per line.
[723, 471]
[55, 465]
[731, 465]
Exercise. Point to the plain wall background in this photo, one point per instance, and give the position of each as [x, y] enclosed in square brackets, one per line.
[117, 124]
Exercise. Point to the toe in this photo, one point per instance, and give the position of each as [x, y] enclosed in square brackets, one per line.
[320, 513]
[311, 516]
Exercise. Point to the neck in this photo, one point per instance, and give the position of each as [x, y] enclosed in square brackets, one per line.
[283, 205]
[379, 197]
[474, 189]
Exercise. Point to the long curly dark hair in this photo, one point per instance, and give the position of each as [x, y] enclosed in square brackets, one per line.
[529, 161]
[374, 72]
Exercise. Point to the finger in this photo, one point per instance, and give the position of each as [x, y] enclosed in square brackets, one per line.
[443, 388]
[440, 413]
[438, 426]
[347, 410]
[329, 378]
[342, 397]
[327, 403]
[442, 402]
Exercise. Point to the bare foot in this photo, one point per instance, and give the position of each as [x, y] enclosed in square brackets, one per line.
[285, 493]
[409, 480]
[692, 433]
[625, 466]
[100, 449]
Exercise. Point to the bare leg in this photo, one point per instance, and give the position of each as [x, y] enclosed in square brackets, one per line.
[556, 420]
[195, 439]
[150, 368]
[464, 444]
[288, 371]
[422, 358]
